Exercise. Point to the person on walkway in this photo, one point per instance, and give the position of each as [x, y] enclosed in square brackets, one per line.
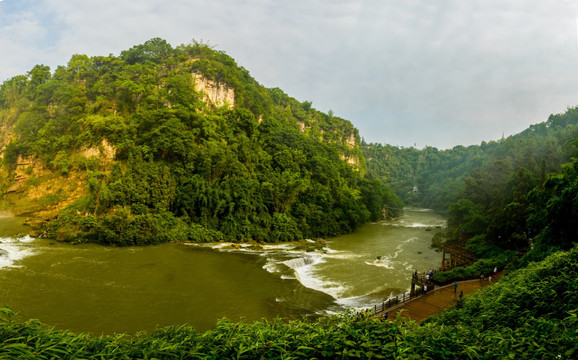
[490, 278]
[495, 270]
[455, 286]
[425, 289]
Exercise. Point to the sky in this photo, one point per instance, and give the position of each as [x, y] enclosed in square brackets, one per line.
[408, 73]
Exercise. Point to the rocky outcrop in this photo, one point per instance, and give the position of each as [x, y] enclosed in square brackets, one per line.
[350, 160]
[37, 191]
[216, 93]
[24, 169]
[105, 151]
[351, 141]
[34, 190]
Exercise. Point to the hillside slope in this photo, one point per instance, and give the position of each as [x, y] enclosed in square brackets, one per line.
[435, 178]
[172, 144]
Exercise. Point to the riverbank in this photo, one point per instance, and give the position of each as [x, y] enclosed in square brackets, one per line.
[305, 245]
[142, 287]
[536, 325]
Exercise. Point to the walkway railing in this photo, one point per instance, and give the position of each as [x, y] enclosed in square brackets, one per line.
[391, 302]
[418, 280]
[394, 302]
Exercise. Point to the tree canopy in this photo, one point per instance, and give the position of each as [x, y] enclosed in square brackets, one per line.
[513, 194]
[266, 168]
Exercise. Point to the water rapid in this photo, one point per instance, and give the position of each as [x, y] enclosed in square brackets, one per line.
[110, 290]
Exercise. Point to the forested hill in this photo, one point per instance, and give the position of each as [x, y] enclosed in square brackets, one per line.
[436, 178]
[517, 196]
[166, 143]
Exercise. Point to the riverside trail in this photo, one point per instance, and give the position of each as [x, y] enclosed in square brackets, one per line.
[422, 307]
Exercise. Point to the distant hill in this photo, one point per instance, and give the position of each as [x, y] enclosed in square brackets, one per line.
[436, 178]
[167, 143]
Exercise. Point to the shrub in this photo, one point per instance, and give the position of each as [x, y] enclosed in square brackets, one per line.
[482, 266]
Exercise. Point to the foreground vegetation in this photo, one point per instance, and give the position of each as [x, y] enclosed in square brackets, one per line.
[529, 314]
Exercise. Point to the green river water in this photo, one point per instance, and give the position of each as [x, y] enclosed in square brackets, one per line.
[106, 290]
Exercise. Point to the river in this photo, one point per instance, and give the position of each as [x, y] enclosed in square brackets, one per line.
[106, 290]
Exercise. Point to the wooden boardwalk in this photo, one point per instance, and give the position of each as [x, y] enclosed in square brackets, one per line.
[422, 307]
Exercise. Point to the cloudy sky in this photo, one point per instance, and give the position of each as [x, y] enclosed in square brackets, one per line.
[407, 73]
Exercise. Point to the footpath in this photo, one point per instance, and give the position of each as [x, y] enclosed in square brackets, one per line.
[424, 306]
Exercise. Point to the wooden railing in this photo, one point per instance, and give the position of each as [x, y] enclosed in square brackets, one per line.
[391, 302]
[418, 280]
[459, 255]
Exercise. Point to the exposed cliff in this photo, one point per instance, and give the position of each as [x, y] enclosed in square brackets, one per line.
[216, 93]
[35, 190]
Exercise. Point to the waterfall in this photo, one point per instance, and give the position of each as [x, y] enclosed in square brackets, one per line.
[299, 262]
[14, 250]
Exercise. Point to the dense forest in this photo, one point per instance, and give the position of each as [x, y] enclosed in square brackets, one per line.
[507, 201]
[183, 165]
[440, 176]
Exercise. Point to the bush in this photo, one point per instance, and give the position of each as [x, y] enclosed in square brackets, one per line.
[198, 233]
[482, 266]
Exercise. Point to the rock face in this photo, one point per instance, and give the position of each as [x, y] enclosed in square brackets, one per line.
[351, 160]
[32, 189]
[351, 141]
[6, 130]
[105, 151]
[216, 93]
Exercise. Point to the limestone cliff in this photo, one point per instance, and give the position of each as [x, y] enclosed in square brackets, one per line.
[33, 189]
[216, 93]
